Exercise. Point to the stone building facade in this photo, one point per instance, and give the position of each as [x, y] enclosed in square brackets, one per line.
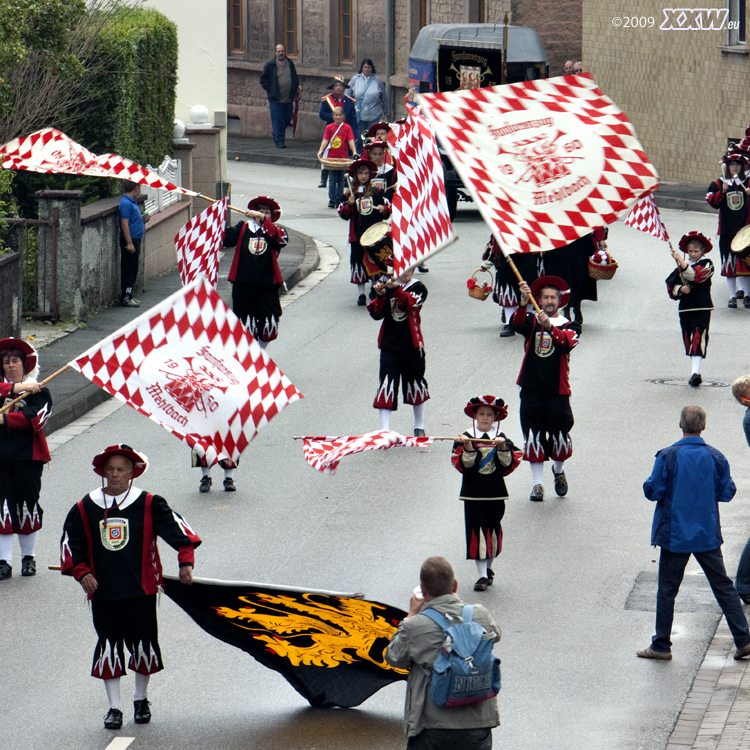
[685, 91]
[256, 26]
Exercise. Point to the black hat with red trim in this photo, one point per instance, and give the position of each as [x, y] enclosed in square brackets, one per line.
[686, 239]
[501, 410]
[140, 462]
[738, 153]
[561, 285]
[264, 200]
[30, 367]
[375, 142]
[355, 165]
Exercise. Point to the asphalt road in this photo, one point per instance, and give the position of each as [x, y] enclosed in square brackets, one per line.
[571, 680]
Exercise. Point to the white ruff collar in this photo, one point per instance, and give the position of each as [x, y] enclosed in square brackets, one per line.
[97, 497]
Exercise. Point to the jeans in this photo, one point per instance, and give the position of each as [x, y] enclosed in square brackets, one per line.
[281, 116]
[671, 571]
[336, 180]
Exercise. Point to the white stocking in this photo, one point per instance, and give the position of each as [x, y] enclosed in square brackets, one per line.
[481, 568]
[361, 288]
[385, 419]
[141, 686]
[228, 473]
[696, 362]
[206, 471]
[509, 313]
[27, 542]
[113, 693]
[263, 344]
[6, 548]
[558, 466]
[537, 472]
[489, 563]
[418, 416]
[743, 282]
[732, 284]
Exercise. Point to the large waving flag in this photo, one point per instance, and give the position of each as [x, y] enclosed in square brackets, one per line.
[545, 161]
[421, 223]
[325, 453]
[645, 217]
[50, 151]
[329, 646]
[190, 365]
[198, 244]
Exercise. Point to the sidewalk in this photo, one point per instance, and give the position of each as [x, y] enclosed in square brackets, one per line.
[73, 394]
[264, 151]
[683, 196]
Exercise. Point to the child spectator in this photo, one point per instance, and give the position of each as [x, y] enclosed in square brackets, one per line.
[338, 139]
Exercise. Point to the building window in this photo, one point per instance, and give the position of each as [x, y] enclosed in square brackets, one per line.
[235, 39]
[482, 11]
[290, 27]
[345, 31]
[736, 32]
[424, 13]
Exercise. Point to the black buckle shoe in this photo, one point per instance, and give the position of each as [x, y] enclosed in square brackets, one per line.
[695, 380]
[418, 432]
[361, 300]
[141, 715]
[561, 483]
[229, 485]
[490, 576]
[205, 485]
[481, 584]
[732, 303]
[6, 570]
[28, 566]
[507, 331]
[113, 719]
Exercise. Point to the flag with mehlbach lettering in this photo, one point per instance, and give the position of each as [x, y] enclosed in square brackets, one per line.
[545, 161]
[191, 366]
[50, 151]
[329, 646]
[198, 244]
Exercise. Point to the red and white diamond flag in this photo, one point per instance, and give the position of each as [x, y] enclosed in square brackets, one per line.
[198, 244]
[189, 365]
[545, 161]
[52, 152]
[421, 223]
[645, 217]
[325, 453]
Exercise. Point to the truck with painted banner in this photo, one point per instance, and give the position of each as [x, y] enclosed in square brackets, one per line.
[446, 57]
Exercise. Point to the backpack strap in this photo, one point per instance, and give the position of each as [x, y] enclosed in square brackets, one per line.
[468, 613]
[437, 617]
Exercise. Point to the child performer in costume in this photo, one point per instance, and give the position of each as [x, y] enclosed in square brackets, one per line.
[338, 140]
[385, 177]
[255, 274]
[367, 206]
[729, 194]
[484, 466]
[690, 283]
[379, 132]
[398, 303]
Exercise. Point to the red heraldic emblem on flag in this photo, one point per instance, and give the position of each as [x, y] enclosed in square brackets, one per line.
[645, 217]
[52, 152]
[189, 365]
[198, 244]
[421, 222]
[325, 453]
[546, 161]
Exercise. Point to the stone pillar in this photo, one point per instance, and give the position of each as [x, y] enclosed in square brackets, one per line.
[10, 294]
[183, 150]
[66, 256]
[205, 159]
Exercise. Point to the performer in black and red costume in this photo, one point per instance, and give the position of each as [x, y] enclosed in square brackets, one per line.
[529, 265]
[729, 194]
[484, 466]
[385, 177]
[546, 417]
[398, 303]
[379, 132]
[23, 453]
[109, 546]
[366, 207]
[255, 274]
[690, 283]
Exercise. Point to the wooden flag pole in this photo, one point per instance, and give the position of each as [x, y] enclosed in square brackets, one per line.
[503, 70]
[44, 382]
[216, 200]
[473, 440]
[521, 278]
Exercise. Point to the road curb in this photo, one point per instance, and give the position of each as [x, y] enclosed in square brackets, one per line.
[683, 204]
[291, 159]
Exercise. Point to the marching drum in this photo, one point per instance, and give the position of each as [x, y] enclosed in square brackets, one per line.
[377, 242]
[741, 242]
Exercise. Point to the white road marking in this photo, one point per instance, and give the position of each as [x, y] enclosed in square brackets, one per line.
[120, 743]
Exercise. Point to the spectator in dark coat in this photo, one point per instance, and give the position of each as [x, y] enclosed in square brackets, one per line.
[279, 79]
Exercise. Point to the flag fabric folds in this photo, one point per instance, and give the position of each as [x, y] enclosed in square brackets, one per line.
[198, 244]
[190, 365]
[421, 222]
[546, 161]
[645, 217]
[330, 647]
[325, 453]
[51, 151]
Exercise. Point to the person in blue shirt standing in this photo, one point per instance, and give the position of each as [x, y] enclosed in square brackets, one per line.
[132, 232]
[688, 481]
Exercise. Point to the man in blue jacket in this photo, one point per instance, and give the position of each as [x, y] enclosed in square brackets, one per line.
[688, 481]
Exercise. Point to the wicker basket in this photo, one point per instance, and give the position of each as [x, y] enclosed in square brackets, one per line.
[478, 292]
[336, 163]
[603, 273]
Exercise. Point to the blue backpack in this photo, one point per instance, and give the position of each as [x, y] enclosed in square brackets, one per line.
[465, 671]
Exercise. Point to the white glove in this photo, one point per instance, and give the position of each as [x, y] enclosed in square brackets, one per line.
[487, 264]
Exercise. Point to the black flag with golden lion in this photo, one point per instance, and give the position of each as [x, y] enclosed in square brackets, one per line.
[329, 646]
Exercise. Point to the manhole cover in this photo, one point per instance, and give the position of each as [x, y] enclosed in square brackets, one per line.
[695, 594]
[684, 382]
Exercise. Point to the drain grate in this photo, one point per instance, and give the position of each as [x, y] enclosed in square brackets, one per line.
[684, 383]
[695, 594]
